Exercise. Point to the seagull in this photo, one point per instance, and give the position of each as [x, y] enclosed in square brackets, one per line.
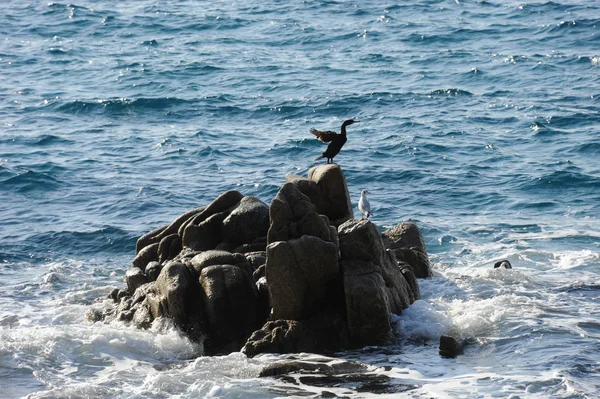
[336, 140]
[363, 204]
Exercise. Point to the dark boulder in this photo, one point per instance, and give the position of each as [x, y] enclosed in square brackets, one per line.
[406, 241]
[336, 198]
[230, 305]
[451, 347]
[146, 255]
[219, 257]
[172, 287]
[373, 283]
[169, 247]
[247, 222]
[299, 272]
[205, 235]
[326, 332]
[292, 215]
[153, 270]
[135, 278]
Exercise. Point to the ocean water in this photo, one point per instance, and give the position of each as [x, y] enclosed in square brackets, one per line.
[479, 121]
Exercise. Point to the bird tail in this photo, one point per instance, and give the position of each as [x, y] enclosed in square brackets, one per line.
[319, 157]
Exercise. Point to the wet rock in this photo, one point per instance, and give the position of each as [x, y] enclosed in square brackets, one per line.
[411, 279]
[135, 278]
[299, 272]
[230, 304]
[451, 347]
[327, 366]
[336, 198]
[323, 333]
[373, 283]
[113, 294]
[146, 255]
[172, 285]
[406, 241]
[142, 317]
[153, 270]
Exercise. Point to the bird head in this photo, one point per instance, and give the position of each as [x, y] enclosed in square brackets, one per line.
[364, 192]
[349, 122]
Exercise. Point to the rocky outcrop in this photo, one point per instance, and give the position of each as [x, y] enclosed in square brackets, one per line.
[300, 275]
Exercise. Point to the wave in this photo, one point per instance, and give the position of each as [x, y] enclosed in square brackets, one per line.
[564, 179]
[31, 181]
[109, 239]
[49, 139]
[119, 106]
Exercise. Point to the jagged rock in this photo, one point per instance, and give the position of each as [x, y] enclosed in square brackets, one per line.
[146, 255]
[373, 283]
[158, 234]
[406, 241]
[326, 332]
[248, 221]
[411, 279]
[311, 189]
[405, 235]
[219, 257]
[418, 261]
[293, 215]
[206, 235]
[223, 203]
[135, 278]
[142, 317]
[258, 245]
[113, 294]
[256, 258]
[169, 247]
[151, 237]
[336, 198]
[171, 286]
[260, 272]
[230, 304]
[153, 270]
[299, 273]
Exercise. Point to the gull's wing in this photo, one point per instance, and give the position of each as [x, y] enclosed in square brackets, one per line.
[323, 135]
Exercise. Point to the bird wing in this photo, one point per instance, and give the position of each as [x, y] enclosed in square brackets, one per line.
[323, 135]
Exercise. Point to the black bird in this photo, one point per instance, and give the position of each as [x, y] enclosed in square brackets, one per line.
[336, 140]
[503, 263]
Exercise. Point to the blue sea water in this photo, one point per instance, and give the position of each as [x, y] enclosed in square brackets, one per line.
[479, 121]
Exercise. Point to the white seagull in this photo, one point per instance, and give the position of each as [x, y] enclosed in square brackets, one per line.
[363, 204]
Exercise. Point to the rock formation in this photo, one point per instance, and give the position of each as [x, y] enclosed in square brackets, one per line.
[300, 275]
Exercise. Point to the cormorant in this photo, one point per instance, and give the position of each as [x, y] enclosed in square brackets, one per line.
[503, 263]
[335, 140]
[363, 204]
